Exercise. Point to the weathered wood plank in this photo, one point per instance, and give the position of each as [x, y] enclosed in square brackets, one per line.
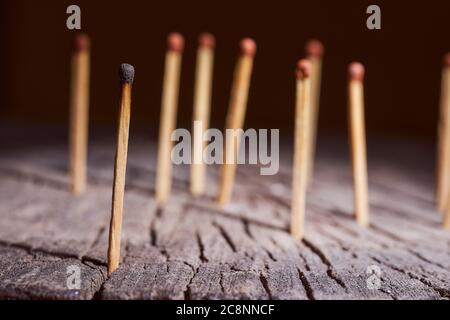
[193, 250]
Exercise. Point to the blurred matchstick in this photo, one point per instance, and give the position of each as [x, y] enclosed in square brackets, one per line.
[443, 165]
[314, 53]
[235, 117]
[175, 44]
[447, 218]
[202, 107]
[301, 152]
[115, 231]
[79, 114]
[358, 143]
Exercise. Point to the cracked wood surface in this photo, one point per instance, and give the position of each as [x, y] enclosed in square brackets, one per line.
[192, 250]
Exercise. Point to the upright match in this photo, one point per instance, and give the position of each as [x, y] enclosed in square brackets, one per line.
[115, 230]
[443, 165]
[301, 152]
[314, 53]
[447, 218]
[235, 117]
[175, 46]
[202, 107]
[79, 114]
[358, 143]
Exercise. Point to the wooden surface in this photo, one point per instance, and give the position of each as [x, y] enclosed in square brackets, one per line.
[193, 250]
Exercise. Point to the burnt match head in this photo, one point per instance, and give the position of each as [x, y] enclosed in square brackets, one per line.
[126, 73]
[248, 47]
[206, 40]
[356, 71]
[175, 42]
[314, 48]
[447, 60]
[82, 42]
[303, 69]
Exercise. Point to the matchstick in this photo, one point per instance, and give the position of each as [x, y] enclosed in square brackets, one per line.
[447, 218]
[115, 229]
[79, 114]
[443, 165]
[202, 107]
[314, 53]
[301, 155]
[235, 117]
[358, 143]
[175, 43]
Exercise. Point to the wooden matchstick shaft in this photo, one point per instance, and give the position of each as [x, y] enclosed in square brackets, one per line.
[301, 152]
[315, 53]
[79, 115]
[358, 145]
[168, 119]
[235, 118]
[202, 107]
[115, 230]
[443, 166]
[447, 218]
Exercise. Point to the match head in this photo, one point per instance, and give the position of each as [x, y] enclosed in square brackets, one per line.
[175, 42]
[303, 69]
[314, 48]
[82, 42]
[447, 60]
[248, 47]
[126, 73]
[356, 71]
[206, 40]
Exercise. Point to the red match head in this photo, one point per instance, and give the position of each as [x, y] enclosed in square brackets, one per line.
[248, 47]
[206, 40]
[303, 69]
[175, 42]
[314, 48]
[447, 60]
[82, 42]
[356, 71]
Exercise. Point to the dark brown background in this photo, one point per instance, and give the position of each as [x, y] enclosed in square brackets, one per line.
[403, 60]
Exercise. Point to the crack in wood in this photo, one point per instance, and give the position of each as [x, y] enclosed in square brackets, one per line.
[201, 248]
[225, 236]
[270, 255]
[421, 257]
[265, 285]
[308, 289]
[330, 270]
[233, 216]
[33, 178]
[247, 231]
[443, 292]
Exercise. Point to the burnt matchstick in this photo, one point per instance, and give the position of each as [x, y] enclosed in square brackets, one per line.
[202, 107]
[79, 114]
[175, 46]
[314, 53]
[301, 152]
[443, 165]
[358, 143]
[115, 230]
[235, 118]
